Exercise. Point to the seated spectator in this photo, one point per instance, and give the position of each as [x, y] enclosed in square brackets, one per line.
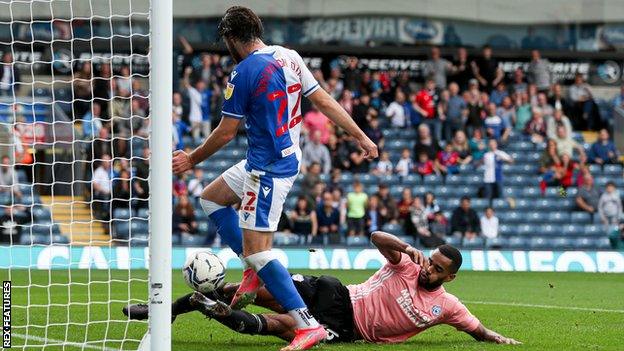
[493, 170]
[495, 126]
[558, 119]
[92, 121]
[587, 196]
[489, 223]
[566, 145]
[303, 219]
[13, 218]
[340, 203]
[430, 205]
[374, 214]
[462, 147]
[315, 152]
[507, 111]
[610, 205]
[465, 221]
[102, 188]
[421, 223]
[384, 166]
[8, 177]
[359, 163]
[387, 202]
[424, 166]
[536, 128]
[357, 201]
[374, 133]
[121, 190]
[311, 178]
[603, 151]
[404, 208]
[328, 217]
[519, 85]
[405, 165]
[82, 89]
[399, 111]
[315, 120]
[448, 160]
[544, 106]
[439, 226]
[523, 111]
[499, 94]
[478, 145]
[584, 114]
[184, 221]
[549, 157]
[557, 100]
[179, 185]
[426, 143]
[562, 174]
[362, 111]
[196, 185]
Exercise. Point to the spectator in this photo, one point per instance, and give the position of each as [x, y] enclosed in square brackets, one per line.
[362, 110]
[384, 166]
[315, 120]
[404, 208]
[340, 203]
[424, 104]
[610, 205]
[461, 147]
[439, 226]
[123, 82]
[13, 219]
[184, 222]
[178, 108]
[495, 125]
[315, 152]
[328, 217]
[424, 166]
[346, 101]
[582, 98]
[425, 143]
[430, 205]
[358, 162]
[523, 111]
[375, 218]
[92, 122]
[478, 145]
[549, 157]
[387, 202]
[499, 94]
[493, 170]
[519, 86]
[196, 185]
[179, 185]
[103, 88]
[462, 70]
[465, 221]
[489, 224]
[357, 201]
[82, 83]
[421, 223]
[474, 118]
[456, 112]
[567, 145]
[304, 221]
[352, 74]
[374, 133]
[486, 70]
[507, 111]
[557, 100]
[437, 68]
[542, 103]
[101, 185]
[121, 190]
[199, 97]
[603, 151]
[539, 71]
[536, 128]
[398, 110]
[405, 165]
[562, 174]
[8, 177]
[140, 180]
[588, 196]
[448, 160]
[558, 119]
[9, 76]
[311, 178]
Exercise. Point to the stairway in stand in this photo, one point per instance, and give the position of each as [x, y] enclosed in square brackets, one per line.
[73, 216]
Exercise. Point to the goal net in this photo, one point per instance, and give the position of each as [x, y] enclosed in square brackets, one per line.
[75, 132]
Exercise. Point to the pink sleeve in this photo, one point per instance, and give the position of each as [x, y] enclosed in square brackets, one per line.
[460, 318]
[405, 266]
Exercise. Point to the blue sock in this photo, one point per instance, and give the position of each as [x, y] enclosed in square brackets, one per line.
[280, 285]
[226, 220]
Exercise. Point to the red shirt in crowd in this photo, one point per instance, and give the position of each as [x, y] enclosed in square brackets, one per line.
[425, 101]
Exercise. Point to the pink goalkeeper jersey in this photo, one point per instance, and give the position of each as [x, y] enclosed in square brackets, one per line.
[391, 307]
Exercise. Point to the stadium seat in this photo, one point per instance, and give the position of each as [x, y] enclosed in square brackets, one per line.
[453, 241]
[594, 230]
[286, 239]
[516, 242]
[580, 217]
[531, 191]
[561, 243]
[193, 240]
[394, 229]
[548, 230]
[432, 180]
[479, 205]
[506, 230]
[41, 214]
[443, 191]
[526, 229]
[533, 217]
[412, 180]
[500, 204]
[583, 243]
[121, 213]
[474, 243]
[612, 170]
[359, 241]
[558, 217]
[496, 243]
[539, 242]
[367, 179]
[454, 180]
[602, 243]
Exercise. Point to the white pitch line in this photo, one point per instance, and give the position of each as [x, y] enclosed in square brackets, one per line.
[61, 342]
[553, 307]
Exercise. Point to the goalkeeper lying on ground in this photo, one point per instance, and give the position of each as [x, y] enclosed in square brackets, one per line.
[402, 299]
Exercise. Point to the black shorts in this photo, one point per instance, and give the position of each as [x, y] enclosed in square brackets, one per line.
[330, 303]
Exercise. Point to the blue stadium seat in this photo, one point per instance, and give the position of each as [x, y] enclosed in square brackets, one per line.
[121, 213]
[506, 230]
[394, 229]
[594, 230]
[548, 230]
[201, 215]
[538, 242]
[420, 190]
[453, 241]
[176, 239]
[572, 230]
[612, 170]
[580, 217]
[526, 229]
[412, 180]
[367, 179]
[542, 204]
[391, 180]
[511, 217]
[359, 241]
[595, 169]
[602, 243]
[558, 217]
[286, 239]
[583, 243]
[479, 204]
[531, 191]
[561, 243]
[500, 204]
[454, 180]
[473, 180]
[41, 214]
[534, 217]
[443, 191]
[432, 180]
[474, 243]
[496, 243]
[516, 242]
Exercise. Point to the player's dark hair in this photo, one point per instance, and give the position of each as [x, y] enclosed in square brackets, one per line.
[453, 254]
[240, 23]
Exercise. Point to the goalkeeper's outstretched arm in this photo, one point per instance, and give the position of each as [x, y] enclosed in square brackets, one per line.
[484, 334]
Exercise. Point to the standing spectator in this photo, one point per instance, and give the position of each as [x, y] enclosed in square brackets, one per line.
[474, 118]
[197, 94]
[542, 103]
[558, 119]
[439, 226]
[398, 110]
[357, 158]
[140, 180]
[426, 143]
[103, 88]
[328, 217]
[9, 76]
[375, 218]
[489, 224]
[304, 221]
[92, 122]
[123, 82]
[315, 152]
[311, 178]
[384, 166]
[352, 75]
[486, 70]
[582, 98]
[178, 108]
[557, 100]
[539, 71]
[346, 101]
[430, 205]
[387, 202]
[465, 221]
[519, 86]
[462, 70]
[610, 205]
[456, 112]
[523, 111]
[566, 145]
[587, 196]
[82, 84]
[603, 151]
[499, 94]
[374, 133]
[184, 222]
[507, 111]
[357, 201]
[495, 126]
[102, 188]
[478, 145]
[493, 170]
[437, 68]
[448, 160]
[362, 110]
[315, 120]
[424, 104]
[405, 165]
[536, 128]
[421, 223]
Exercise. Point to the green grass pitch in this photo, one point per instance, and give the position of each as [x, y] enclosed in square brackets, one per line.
[578, 311]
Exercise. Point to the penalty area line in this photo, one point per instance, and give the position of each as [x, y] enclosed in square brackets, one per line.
[552, 307]
[48, 341]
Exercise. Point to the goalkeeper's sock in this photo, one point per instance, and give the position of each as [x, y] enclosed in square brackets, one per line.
[244, 322]
[226, 220]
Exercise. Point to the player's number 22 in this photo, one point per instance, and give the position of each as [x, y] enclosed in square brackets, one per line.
[283, 99]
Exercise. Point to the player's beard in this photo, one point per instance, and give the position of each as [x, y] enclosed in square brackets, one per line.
[423, 281]
[233, 52]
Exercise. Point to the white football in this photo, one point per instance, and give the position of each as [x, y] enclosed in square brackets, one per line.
[204, 272]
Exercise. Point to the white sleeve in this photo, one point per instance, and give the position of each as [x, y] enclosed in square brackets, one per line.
[308, 82]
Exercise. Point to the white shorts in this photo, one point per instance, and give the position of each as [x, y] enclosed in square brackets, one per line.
[262, 197]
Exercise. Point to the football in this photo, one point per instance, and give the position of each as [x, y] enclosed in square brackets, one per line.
[204, 272]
